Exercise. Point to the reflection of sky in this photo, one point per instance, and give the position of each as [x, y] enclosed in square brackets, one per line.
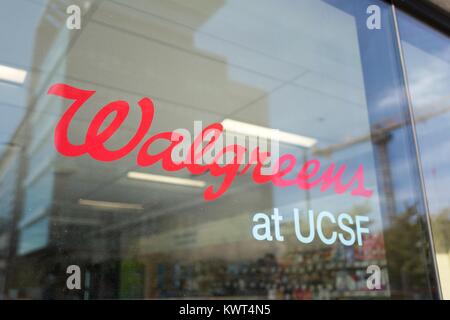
[427, 57]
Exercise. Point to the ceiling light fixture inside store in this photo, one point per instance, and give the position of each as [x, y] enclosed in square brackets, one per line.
[110, 205]
[14, 75]
[166, 179]
[267, 133]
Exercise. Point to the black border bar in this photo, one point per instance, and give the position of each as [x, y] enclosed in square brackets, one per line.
[426, 11]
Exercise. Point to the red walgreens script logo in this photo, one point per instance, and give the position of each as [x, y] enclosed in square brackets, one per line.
[95, 140]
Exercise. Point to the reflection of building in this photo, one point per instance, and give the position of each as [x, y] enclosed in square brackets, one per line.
[8, 189]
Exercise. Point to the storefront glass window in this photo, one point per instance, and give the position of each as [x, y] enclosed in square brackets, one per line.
[341, 217]
[427, 59]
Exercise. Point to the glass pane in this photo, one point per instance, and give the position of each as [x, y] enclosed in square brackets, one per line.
[427, 58]
[88, 178]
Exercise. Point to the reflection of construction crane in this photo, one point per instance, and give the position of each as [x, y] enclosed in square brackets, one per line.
[381, 135]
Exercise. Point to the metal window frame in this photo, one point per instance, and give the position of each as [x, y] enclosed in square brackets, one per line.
[439, 19]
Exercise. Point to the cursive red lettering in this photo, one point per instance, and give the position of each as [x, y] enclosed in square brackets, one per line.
[229, 171]
[277, 177]
[304, 175]
[96, 137]
[329, 178]
[94, 142]
[145, 159]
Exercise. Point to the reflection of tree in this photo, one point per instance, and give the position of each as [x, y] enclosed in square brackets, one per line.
[441, 230]
[407, 268]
